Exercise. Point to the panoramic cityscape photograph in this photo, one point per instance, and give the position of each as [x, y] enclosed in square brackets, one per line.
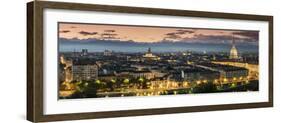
[106, 60]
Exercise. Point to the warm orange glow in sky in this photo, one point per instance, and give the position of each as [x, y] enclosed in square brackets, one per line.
[138, 33]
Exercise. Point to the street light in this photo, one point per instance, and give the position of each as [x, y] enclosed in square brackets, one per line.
[216, 81]
[225, 79]
[205, 81]
[198, 82]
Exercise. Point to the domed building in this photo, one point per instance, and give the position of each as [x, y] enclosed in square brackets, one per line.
[233, 51]
[149, 56]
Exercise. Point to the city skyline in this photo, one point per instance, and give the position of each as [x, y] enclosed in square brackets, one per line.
[101, 61]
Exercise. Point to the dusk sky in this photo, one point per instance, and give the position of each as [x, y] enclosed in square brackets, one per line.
[153, 34]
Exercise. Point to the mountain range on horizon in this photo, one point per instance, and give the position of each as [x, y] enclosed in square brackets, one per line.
[117, 41]
[97, 45]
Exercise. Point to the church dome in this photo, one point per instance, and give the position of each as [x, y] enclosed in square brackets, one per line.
[233, 51]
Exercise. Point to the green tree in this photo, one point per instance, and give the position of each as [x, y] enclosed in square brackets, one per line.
[205, 88]
[87, 89]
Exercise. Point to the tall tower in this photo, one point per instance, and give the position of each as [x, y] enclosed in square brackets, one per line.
[149, 50]
[233, 51]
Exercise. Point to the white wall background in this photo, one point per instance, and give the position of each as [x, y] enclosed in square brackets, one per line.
[13, 60]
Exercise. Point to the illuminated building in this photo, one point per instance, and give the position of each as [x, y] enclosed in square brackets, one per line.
[158, 73]
[144, 74]
[233, 51]
[84, 70]
[65, 69]
[195, 74]
[253, 68]
[149, 56]
[107, 77]
[227, 72]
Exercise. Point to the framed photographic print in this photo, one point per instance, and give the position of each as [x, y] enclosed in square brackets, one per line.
[97, 61]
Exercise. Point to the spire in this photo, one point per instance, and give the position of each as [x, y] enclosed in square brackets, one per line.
[233, 41]
[233, 50]
[149, 50]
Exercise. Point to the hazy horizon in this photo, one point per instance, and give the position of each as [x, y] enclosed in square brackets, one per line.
[156, 47]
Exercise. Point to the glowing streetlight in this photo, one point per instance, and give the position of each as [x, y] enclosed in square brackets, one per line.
[241, 78]
[216, 81]
[198, 82]
[205, 81]
[225, 79]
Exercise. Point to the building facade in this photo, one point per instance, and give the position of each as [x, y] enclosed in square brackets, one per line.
[228, 73]
[143, 74]
[82, 70]
[196, 75]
